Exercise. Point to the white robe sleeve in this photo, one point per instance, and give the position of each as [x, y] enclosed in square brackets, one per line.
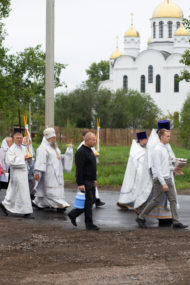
[41, 160]
[2, 159]
[132, 174]
[15, 160]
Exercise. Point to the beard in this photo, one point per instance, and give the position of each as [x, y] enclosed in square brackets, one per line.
[143, 145]
[53, 145]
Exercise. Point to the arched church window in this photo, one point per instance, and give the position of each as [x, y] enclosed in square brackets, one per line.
[170, 29]
[176, 83]
[125, 82]
[154, 30]
[143, 83]
[150, 74]
[161, 29]
[158, 83]
[177, 25]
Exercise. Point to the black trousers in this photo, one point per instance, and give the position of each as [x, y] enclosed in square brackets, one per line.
[4, 185]
[90, 200]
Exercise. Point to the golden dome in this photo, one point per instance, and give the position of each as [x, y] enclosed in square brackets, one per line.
[181, 31]
[168, 10]
[115, 54]
[132, 32]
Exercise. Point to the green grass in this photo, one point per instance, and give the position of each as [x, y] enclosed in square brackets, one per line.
[113, 161]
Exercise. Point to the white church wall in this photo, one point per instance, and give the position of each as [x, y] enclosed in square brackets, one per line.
[164, 54]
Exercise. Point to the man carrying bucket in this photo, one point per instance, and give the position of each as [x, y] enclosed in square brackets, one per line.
[86, 179]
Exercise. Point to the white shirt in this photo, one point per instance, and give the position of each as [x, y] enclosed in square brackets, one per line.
[160, 163]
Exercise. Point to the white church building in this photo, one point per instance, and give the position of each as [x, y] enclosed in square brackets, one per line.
[154, 70]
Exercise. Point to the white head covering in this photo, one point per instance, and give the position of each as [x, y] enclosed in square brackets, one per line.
[4, 145]
[49, 133]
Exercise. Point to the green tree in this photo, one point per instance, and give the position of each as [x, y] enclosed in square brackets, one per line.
[77, 107]
[103, 107]
[134, 110]
[4, 8]
[120, 109]
[25, 79]
[185, 123]
[97, 72]
[63, 106]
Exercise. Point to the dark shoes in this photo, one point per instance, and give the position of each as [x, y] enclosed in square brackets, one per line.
[99, 203]
[164, 222]
[141, 223]
[29, 216]
[73, 220]
[61, 210]
[3, 209]
[92, 227]
[179, 226]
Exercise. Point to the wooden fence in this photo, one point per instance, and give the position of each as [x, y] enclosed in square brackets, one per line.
[107, 136]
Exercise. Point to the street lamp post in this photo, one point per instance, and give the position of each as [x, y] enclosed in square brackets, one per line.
[49, 79]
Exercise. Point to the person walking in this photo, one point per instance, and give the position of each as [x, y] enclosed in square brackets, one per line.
[162, 182]
[98, 201]
[49, 174]
[85, 161]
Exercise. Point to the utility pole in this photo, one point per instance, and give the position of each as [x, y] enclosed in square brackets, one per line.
[49, 81]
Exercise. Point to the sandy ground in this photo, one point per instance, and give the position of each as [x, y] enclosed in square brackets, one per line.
[32, 253]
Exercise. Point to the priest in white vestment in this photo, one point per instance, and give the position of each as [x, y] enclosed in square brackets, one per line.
[144, 190]
[138, 182]
[144, 194]
[49, 173]
[133, 171]
[17, 199]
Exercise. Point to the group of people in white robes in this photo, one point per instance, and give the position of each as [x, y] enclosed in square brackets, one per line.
[136, 191]
[48, 169]
[137, 187]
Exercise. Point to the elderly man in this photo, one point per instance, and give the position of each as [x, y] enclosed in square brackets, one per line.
[17, 199]
[6, 144]
[49, 174]
[85, 161]
[162, 181]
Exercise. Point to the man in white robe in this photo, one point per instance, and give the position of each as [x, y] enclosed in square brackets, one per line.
[49, 174]
[133, 171]
[17, 199]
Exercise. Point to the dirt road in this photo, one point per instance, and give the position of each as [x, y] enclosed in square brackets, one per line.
[42, 254]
